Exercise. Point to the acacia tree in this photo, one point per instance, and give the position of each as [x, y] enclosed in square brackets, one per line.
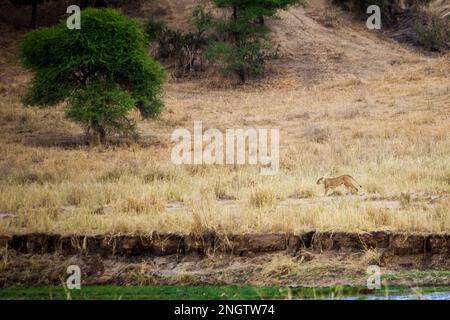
[247, 47]
[102, 71]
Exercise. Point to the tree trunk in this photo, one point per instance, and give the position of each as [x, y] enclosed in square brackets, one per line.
[242, 76]
[240, 72]
[235, 33]
[34, 15]
[99, 133]
[101, 136]
[261, 20]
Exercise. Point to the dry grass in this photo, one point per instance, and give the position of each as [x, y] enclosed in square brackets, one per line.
[279, 267]
[284, 269]
[371, 257]
[387, 128]
[396, 148]
[262, 198]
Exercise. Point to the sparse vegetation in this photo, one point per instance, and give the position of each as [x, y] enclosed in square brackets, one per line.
[280, 268]
[433, 32]
[316, 133]
[389, 8]
[371, 257]
[417, 22]
[185, 48]
[331, 17]
[262, 198]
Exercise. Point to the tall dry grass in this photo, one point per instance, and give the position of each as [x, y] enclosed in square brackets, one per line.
[390, 130]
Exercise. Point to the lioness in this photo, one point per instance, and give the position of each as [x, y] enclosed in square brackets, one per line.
[346, 180]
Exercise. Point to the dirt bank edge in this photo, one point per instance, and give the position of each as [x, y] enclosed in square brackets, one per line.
[162, 244]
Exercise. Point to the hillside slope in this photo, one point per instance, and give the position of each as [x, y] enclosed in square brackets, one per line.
[316, 41]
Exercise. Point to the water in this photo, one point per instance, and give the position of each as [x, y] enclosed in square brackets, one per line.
[402, 296]
[246, 292]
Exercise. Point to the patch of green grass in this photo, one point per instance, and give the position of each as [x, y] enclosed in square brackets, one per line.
[158, 292]
[188, 292]
[431, 276]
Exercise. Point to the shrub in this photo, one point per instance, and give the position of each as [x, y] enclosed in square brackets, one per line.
[331, 18]
[154, 29]
[362, 5]
[389, 8]
[184, 47]
[262, 198]
[247, 59]
[102, 70]
[187, 50]
[432, 32]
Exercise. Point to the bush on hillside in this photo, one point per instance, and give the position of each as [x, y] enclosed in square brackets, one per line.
[389, 8]
[184, 47]
[433, 32]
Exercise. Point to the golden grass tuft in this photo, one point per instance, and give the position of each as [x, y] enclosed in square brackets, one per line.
[262, 198]
[279, 267]
[371, 257]
[147, 204]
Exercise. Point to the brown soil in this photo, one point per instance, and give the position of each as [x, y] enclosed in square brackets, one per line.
[309, 259]
[394, 244]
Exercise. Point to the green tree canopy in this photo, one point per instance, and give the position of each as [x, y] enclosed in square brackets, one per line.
[247, 46]
[102, 70]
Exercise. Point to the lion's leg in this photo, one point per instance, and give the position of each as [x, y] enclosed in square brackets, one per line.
[349, 188]
[326, 191]
[353, 189]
